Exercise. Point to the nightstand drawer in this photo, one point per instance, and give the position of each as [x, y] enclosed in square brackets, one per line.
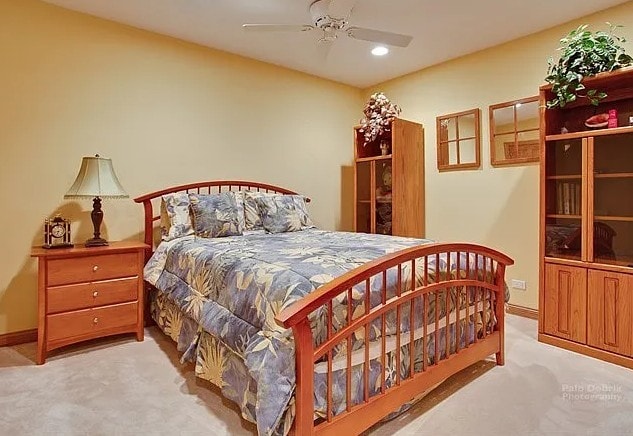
[84, 295]
[91, 268]
[91, 321]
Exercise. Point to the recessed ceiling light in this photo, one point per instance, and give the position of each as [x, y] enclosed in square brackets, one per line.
[380, 50]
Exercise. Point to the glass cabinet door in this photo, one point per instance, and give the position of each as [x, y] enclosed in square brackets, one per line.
[563, 199]
[612, 227]
[363, 197]
[383, 197]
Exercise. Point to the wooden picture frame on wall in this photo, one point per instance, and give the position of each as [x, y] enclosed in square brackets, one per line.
[514, 132]
[459, 140]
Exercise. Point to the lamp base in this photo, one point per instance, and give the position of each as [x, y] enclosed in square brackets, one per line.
[97, 217]
[96, 242]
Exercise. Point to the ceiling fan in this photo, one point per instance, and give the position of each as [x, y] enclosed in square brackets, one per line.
[331, 17]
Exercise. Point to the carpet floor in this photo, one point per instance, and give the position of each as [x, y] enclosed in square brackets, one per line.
[118, 386]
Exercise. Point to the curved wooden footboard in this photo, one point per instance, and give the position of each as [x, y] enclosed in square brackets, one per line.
[466, 279]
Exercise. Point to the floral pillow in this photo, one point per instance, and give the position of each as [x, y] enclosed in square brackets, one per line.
[175, 220]
[217, 215]
[253, 211]
[252, 214]
[302, 208]
[283, 213]
[239, 199]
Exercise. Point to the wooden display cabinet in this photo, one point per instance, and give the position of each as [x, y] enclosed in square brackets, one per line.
[586, 224]
[389, 188]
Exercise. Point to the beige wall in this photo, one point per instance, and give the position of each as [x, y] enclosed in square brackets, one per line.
[169, 112]
[492, 206]
[166, 112]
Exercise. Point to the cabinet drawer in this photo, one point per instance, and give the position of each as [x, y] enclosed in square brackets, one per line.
[92, 268]
[84, 295]
[88, 321]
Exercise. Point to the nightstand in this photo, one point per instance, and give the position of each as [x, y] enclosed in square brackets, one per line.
[87, 293]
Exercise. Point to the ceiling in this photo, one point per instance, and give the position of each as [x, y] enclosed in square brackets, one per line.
[441, 30]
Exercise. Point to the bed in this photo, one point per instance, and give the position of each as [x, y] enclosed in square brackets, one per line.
[322, 332]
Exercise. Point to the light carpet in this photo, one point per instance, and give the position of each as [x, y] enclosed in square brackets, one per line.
[119, 387]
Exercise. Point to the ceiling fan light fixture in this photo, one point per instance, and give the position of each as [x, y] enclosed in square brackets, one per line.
[379, 50]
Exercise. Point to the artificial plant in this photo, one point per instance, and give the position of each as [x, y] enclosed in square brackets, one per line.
[584, 54]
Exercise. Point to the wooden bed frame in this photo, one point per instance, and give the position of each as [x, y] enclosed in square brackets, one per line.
[485, 280]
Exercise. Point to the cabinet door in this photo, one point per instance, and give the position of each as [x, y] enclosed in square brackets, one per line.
[610, 201]
[364, 186]
[610, 313]
[566, 302]
[383, 199]
[564, 201]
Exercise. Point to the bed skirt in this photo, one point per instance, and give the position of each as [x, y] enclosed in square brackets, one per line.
[224, 367]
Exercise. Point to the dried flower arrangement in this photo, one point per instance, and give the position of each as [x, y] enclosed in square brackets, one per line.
[379, 113]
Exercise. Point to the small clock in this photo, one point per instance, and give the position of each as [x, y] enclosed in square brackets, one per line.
[57, 233]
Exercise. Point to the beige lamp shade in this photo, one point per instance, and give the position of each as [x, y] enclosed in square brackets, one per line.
[96, 178]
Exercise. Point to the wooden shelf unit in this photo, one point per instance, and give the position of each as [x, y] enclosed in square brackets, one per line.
[614, 176]
[613, 218]
[586, 259]
[386, 157]
[583, 134]
[564, 216]
[394, 206]
[565, 177]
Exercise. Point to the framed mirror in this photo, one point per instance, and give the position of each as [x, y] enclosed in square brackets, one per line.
[459, 140]
[514, 132]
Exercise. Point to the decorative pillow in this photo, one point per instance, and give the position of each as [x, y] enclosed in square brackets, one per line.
[239, 199]
[281, 213]
[252, 214]
[302, 208]
[215, 215]
[175, 220]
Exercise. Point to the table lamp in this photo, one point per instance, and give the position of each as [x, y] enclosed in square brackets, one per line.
[97, 180]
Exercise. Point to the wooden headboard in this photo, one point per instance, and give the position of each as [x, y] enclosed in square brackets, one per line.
[199, 188]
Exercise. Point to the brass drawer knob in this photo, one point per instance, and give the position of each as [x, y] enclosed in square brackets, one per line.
[95, 294]
[95, 320]
[95, 268]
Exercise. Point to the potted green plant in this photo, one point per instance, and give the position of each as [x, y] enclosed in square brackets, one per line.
[584, 54]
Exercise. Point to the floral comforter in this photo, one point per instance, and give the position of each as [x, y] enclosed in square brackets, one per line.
[234, 287]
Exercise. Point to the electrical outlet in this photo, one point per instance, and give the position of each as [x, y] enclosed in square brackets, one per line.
[519, 284]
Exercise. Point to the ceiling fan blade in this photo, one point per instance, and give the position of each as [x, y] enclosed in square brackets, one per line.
[277, 27]
[388, 38]
[341, 8]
